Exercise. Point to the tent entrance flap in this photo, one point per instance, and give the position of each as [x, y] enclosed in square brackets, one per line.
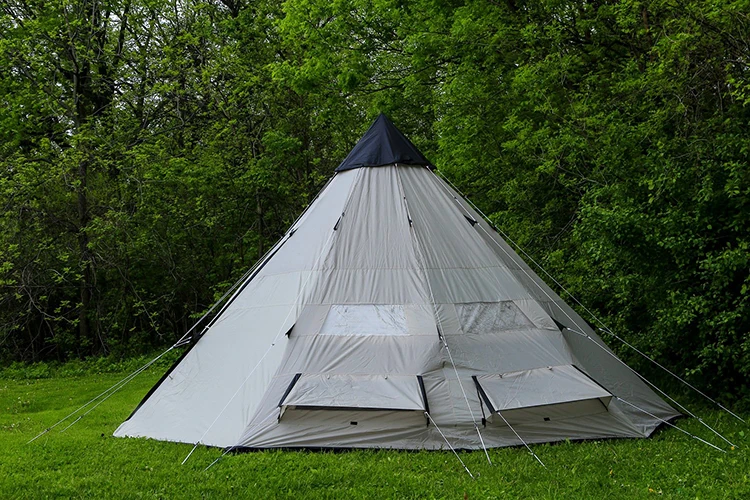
[354, 392]
[548, 393]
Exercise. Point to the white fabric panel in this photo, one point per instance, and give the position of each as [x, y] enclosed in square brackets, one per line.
[407, 430]
[492, 353]
[373, 261]
[420, 319]
[356, 391]
[310, 320]
[365, 320]
[271, 290]
[397, 356]
[595, 361]
[357, 354]
[306, 245]
[448, 319]
[541, 386]
[345, 429]
[213, 375]
[446, 239]
[375, 228]
[507, 351]
[460, 413]
[619, 380]
[489, 284]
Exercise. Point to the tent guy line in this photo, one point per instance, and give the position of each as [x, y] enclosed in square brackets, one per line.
[186, 337]
[521, 439]
[230, 449]
[182, 341]
[109, 392]
[605, 329]
[248, 276]
[427, 414]
[671, 425]
[685, 382]
[120, 386]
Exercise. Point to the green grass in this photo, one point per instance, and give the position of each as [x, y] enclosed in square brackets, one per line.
[86, 461]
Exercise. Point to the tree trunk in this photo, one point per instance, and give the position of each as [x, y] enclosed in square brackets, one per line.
[259, 212]
[84, 331]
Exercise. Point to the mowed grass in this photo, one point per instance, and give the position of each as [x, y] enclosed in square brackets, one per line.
[86, 461]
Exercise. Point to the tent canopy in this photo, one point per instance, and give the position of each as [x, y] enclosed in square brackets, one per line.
[391, 300]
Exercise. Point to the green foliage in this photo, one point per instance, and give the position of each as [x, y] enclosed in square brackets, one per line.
[149, 160]
[152, 150]
[86, 461]
[93, 366]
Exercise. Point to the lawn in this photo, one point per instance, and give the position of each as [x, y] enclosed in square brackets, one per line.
[86, 461]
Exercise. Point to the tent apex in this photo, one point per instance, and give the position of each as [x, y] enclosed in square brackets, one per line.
[383, 144]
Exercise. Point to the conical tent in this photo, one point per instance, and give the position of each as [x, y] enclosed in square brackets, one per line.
[389, 312]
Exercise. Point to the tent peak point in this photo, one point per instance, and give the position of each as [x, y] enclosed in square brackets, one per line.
[383, 144]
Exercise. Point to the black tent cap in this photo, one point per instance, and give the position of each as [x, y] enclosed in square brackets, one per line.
[383, 144]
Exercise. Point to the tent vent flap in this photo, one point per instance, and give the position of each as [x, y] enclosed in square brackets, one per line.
[354, 392]
[545, 394]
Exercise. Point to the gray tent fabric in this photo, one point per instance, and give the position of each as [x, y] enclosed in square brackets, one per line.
[340, 340]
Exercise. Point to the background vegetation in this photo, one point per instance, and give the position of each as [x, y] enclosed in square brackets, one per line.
[151, 150]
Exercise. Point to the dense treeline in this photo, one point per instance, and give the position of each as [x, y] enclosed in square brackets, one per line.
[152, 150]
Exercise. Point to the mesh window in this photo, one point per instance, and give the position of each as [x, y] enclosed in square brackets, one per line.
[491, 317]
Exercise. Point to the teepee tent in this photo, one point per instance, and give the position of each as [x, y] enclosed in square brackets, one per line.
[391, 315]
